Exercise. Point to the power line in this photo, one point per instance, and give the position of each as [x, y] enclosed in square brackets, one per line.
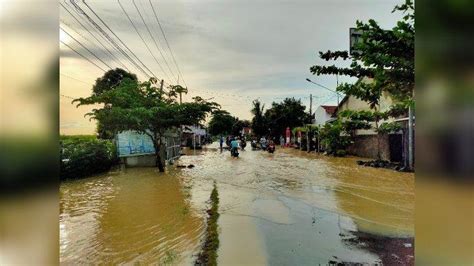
[85, 47]
[167, 43]
[93, 35]
[75, 79]
[143, 40]
[112, 40]
[82, 56]
[65, 96]
[153, 38]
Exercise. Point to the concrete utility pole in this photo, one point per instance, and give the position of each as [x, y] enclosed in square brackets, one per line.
[161, 86]
[311, 107]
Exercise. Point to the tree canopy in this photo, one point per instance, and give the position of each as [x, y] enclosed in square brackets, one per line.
[141, 106]
[386, 57]
[288, 113]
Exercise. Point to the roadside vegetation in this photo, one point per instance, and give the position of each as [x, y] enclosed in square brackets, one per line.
[208, 254]
[85, 155]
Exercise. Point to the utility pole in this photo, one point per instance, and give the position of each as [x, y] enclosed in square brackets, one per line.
[337, 85]
[161, 86]
[311, 107]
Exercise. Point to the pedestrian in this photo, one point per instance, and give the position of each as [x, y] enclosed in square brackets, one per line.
[282, 141]
[221, 142]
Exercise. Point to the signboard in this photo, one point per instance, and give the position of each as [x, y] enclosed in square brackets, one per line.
[131, 143]
[354, 37]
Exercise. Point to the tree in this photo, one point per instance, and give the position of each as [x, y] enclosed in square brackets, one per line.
[258, 123]
[289, 113]
[108, 81]
[333, 138]
[383, 62]
[221, 123]
[142, 107]
[239, 125]
[111, 79]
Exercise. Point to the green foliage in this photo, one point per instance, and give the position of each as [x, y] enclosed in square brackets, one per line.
[334, 139]
[208, 255]
[141, 106]
[258, 123]
[387, 128]
[386, 57]
[289, 113]
[111, 79]
[221, 123]
[85, 155]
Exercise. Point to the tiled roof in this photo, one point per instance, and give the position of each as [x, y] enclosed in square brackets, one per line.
[329, 108]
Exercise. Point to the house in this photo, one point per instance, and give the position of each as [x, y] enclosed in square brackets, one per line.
[246, 131]
[193, 136]
[366, 141]
[324, 113]
[136, 149]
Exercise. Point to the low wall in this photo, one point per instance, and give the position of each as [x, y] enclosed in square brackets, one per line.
[139, 160]
[366, 146]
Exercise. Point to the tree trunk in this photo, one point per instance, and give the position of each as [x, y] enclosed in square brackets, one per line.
[158, 162]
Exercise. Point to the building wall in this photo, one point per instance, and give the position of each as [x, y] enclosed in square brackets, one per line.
[321, 116]
[366, 146]
[353, 103]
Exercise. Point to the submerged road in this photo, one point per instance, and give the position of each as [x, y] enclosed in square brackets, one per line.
[287, 208]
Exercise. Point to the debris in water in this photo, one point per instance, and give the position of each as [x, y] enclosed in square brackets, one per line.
[191, 166]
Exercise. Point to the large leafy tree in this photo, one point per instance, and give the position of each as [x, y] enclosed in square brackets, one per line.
[221, 123]
[108, 81]
[383, 61]
[141, 106]
[288, 113]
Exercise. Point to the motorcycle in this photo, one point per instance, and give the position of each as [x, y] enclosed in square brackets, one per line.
[234, 152]
[243, 144]
[271, 148]
[254, 145]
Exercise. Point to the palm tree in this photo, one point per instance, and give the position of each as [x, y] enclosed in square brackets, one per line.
[258, 120]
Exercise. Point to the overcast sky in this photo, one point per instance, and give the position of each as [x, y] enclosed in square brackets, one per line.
[235, 51]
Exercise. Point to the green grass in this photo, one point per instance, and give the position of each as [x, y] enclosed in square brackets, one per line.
[208, 254]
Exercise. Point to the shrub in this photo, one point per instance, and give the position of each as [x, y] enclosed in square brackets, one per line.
[333, 139]
[85, 155]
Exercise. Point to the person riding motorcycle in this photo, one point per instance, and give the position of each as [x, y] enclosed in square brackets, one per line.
[271, 146]
[243, 143]
[234, 145]
[263, 143]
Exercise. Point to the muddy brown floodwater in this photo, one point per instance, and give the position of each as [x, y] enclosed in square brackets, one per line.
[287, 208]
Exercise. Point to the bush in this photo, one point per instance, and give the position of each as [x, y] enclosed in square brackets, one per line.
[85, 155]
[334, 140]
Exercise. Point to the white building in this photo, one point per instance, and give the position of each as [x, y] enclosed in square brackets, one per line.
[323, 113]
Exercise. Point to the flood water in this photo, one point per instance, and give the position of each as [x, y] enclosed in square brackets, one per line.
[287, 208]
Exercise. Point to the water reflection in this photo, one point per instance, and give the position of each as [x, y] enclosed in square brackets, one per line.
[136, 215]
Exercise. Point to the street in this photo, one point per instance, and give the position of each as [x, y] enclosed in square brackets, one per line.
[287, 208]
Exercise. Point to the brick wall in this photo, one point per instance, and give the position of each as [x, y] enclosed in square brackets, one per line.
[366, 146]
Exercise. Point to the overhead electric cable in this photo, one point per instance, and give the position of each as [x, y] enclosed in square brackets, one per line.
[167, 43]
[143, 40]
[116, 59]
[82, 56]
[111, 40]
[153, 38]
[83, 46]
